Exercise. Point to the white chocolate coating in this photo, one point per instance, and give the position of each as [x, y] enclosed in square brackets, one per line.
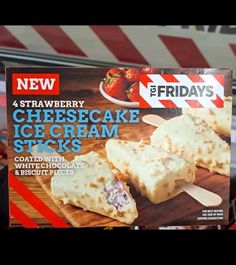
[90, 186]
[193, 139]
[219, 119]
[152, 171]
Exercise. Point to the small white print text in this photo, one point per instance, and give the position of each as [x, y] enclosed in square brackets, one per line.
[48, 104]
[41, 166]
[211, 214]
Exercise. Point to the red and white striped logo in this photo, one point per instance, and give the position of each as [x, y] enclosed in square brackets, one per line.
[181, 91]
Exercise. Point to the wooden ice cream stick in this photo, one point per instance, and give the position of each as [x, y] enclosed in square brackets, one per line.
[153, 120]
[205, 197]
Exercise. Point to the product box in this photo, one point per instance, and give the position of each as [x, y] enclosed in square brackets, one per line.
[101, 147]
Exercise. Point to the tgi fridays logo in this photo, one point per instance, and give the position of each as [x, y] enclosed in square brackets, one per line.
[181, 91]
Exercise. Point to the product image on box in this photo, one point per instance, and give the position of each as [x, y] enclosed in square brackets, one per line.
[118, 147]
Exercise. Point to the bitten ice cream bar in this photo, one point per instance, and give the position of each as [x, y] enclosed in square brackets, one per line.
[193, 139]
[152, 171]
[95, 188]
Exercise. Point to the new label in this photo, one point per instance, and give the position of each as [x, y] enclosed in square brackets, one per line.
[35, 84]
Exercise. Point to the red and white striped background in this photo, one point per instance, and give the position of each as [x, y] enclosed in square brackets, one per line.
[169, 46]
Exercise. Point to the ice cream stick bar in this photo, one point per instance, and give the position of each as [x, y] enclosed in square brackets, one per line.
[155, 173]
[93, 187]
[152, 171]
[191, 138]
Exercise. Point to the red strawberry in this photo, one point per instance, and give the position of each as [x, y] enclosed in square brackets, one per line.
[132, 75]
[115, 71]
[115, 87]
[133, 92]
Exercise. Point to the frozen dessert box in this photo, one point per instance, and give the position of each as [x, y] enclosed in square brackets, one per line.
[81, 154]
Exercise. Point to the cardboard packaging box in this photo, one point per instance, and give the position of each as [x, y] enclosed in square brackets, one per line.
[118, 147]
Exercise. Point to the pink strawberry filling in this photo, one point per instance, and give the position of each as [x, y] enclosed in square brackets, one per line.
[117, 196]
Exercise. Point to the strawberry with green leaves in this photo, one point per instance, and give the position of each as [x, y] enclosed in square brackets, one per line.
[115, 71]
[115, 86]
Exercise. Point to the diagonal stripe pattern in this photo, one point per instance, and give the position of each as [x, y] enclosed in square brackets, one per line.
[35, 202]
[59, 40]
[20, 216]
[185, 51]
[7, 39]
[119, 44]
[162, 91]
